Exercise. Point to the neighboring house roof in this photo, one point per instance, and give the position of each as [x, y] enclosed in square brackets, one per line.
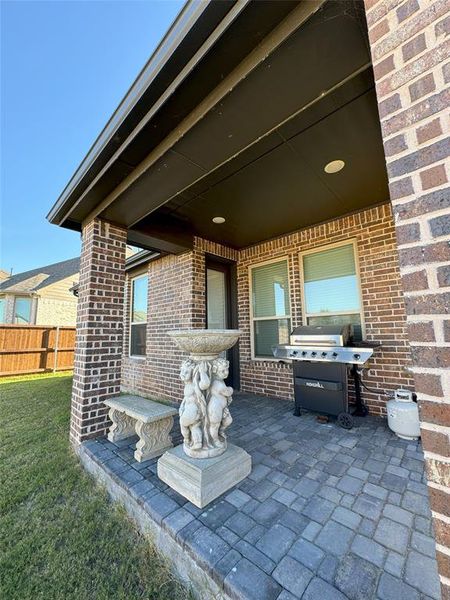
[4, 275]
[36, 279]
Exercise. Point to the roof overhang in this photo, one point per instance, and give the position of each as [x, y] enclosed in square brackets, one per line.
[236, 114]
[140, 258]
[196, 17]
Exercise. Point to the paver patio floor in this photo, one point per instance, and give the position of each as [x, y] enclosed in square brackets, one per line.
[325, 513]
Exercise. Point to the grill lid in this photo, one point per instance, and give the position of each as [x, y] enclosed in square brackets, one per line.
[321, 335]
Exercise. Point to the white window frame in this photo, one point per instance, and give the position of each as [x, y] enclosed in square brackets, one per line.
[285, 259]
[132, 279]
[305, 314]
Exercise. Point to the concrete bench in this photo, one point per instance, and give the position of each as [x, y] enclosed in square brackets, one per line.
[150, 420]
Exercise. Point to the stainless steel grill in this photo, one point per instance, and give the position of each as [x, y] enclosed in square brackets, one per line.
[321, 356]
[323, 344]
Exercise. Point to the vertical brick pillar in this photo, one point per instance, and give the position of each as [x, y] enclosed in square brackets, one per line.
[410, 49]
[99, 328]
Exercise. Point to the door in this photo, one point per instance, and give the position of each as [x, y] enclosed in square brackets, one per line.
[221, 307]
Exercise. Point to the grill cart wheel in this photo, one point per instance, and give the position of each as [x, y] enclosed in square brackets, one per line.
[345, 420]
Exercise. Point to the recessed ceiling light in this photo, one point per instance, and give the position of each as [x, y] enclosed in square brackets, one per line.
[218, 220]
[334, 166]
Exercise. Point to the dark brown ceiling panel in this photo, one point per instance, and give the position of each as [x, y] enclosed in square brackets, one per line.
[287, 189]
[257, 157]
[243, 35]
[164, 234]
[356, 87]
[166, 177]
[311, 61]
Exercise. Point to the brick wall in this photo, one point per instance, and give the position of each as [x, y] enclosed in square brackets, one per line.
[410, 51]
[177, 283]
[383, 306]
[174, 285]
[176, 300]
[99, 341]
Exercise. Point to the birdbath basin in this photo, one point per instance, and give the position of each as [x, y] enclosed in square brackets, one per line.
[204, 344]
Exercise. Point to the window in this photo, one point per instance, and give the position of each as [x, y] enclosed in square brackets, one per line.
[138, 326]
[270, 308]
[331, 287]
[22, 310]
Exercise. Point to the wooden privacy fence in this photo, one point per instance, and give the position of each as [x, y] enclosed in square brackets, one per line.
[35, 349]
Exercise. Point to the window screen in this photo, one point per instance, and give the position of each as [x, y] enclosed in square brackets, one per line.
[270, 307]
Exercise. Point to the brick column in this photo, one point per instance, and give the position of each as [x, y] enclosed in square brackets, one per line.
[99, 328]
[409, 45]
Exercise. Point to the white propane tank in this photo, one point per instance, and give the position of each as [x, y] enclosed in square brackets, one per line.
[403, 415]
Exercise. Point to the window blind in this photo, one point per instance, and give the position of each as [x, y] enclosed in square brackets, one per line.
[216, 295]
[332, 288]
[270, 302]
[270, 285]
[330, 281]
[327, 264]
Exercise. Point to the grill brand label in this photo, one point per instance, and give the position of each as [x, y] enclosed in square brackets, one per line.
[316, 384]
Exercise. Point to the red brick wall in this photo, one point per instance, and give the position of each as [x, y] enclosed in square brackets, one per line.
[410, 50]
[99, 329]
[170, 306]
[177, 282]
[176, 300]
[383, 306]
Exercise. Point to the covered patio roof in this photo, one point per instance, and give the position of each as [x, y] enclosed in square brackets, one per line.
[236, 115]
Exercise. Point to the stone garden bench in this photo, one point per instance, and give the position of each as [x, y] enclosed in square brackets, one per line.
[150, 420]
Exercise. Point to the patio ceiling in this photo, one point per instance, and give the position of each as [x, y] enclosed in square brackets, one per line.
[294, 90]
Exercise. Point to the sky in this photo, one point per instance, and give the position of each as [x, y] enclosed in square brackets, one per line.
[65, 66]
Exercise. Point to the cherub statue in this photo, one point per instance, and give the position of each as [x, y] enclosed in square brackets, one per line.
[191, 409]
[220, 396]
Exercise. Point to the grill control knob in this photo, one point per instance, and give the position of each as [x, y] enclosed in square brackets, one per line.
[356, 356]
[304, 353]
[293, 352]
[313, 353]
[335, 355]
[324, 354]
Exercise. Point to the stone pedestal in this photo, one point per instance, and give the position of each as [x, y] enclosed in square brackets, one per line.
[203, 480]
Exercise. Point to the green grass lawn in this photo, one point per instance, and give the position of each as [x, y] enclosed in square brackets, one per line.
[60, 537]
